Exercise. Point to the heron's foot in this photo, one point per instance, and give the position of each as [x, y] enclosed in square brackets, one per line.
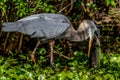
[33, 58]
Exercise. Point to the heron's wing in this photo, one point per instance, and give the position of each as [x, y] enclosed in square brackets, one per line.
[32, 17]
[48, 16]
[14, 26]
[10, 26]
[54, 29]
[40, 25]
[43, 28]
[56, 17]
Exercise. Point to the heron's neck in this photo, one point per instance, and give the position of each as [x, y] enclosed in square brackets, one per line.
[74, 35]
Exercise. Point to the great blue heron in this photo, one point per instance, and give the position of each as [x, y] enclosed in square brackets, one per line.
[49, 26]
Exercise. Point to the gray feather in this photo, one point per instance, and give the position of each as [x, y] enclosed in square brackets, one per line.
[40, 25]
[42, 28]
[10, 26]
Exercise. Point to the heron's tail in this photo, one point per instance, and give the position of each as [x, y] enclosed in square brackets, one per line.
[10, 27]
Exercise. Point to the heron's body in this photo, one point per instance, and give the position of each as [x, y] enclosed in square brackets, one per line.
[52, 26]
[45, 26]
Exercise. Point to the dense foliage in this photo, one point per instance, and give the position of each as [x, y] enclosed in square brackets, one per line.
[15, 61]
[20, 67]
[75, 69]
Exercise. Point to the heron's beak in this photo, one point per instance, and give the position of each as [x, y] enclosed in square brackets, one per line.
[90, 45]
[97, 35]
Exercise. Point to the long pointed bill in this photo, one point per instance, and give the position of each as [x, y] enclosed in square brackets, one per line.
[90, 45]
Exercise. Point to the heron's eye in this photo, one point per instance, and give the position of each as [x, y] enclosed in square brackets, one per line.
[97, 33]
[98, 26]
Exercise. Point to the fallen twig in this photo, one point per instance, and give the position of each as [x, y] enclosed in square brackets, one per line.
[6, 38]
[62, 55]
[66, 6]
[20, 44]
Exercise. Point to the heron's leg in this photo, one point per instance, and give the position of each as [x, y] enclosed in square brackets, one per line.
[51, 44]
[33, 53]
[90, 45]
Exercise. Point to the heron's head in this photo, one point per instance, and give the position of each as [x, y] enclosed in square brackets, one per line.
[97, 31]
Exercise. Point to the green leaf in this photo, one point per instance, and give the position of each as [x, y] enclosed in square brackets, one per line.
[52, 11]
[42, 51]
[69, 75]
[113, 3]
[107, 2]
[1, 59]
[88, 4]
[47, 10]
[27, 66]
